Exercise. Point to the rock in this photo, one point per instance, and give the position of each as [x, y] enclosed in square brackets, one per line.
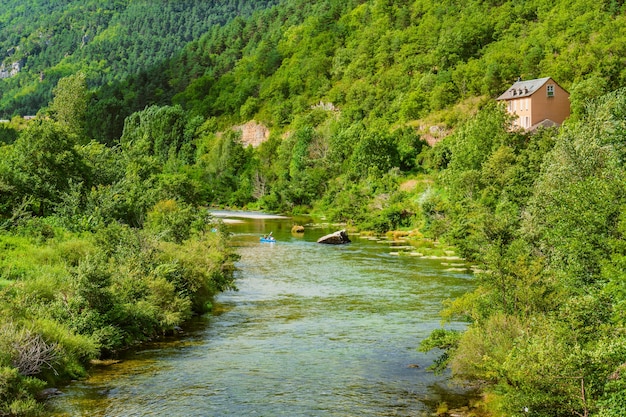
[49, 392]
[297, 229]
[337, 238]
[253, 133]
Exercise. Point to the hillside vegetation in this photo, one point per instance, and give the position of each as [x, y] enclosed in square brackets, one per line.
[543, 216]
[109, 41]
[101, 198]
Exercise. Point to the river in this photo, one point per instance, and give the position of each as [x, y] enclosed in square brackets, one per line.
[313, 330]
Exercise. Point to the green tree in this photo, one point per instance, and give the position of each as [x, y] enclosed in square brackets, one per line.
[376, 150]
[69, 106]
[158, 131]
[45, 163]
[577, 200]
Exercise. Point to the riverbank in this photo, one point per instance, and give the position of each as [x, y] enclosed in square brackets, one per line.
[68, 298]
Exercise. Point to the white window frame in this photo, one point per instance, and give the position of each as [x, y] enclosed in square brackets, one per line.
[550, 90]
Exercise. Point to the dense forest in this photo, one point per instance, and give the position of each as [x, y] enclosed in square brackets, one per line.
[103, 226]
[109, 41]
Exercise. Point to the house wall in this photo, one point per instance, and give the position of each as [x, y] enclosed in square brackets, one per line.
[522, 108]
[555, 108]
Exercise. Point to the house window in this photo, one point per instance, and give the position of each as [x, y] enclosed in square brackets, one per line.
[550, 90]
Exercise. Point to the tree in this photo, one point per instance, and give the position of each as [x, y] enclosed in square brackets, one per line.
[547, 316]
[375, 150]
[69, 106]
[158, 131]
[45, 163]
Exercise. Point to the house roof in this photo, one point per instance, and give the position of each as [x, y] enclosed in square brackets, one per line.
[523, 88]
[543, 123]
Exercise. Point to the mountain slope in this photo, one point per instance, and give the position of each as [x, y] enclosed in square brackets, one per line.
[108, 40]
[395, 61]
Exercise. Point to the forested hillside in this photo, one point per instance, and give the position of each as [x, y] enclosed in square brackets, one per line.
[108, 41]
[104, 233]
[397, 60]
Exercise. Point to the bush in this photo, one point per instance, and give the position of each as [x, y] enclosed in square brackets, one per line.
[36, 228]
[75, 349]
[175, 222]
[199, 269]
[27, 350]
[445, 340]
[17, 394]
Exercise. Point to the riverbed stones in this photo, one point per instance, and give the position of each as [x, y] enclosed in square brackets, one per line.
[338, 238]
[297, 229]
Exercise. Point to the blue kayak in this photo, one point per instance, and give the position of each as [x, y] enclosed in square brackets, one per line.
[268, 239]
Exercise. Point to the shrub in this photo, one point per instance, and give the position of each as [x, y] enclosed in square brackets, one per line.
[36, 228]
[171, 309]
[198, 269]
[28, 351]
[17, 394]
[75, 349]
[174, 221]
[445, 340]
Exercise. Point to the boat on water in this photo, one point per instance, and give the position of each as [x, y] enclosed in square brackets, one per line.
[268, 238]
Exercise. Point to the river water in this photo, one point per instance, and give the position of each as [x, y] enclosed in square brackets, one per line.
[314, 330]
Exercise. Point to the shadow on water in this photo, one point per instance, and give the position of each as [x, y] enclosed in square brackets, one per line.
[314, 330]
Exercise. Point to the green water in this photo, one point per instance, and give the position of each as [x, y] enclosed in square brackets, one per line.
[314, 330]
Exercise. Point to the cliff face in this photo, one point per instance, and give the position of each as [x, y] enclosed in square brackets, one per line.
[12, 71]
[253, 133]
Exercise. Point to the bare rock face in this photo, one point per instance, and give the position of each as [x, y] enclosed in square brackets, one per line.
[338, 238]
[253, 133]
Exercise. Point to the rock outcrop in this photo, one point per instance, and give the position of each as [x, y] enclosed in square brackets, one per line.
[253, 133]
[338, 238]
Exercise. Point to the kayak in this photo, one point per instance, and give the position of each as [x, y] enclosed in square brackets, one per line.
[268, 239]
